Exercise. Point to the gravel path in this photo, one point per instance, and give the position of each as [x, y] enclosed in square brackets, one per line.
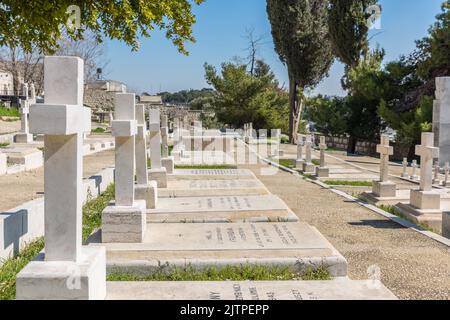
[9, 126]
[16, 189]
[412, 266]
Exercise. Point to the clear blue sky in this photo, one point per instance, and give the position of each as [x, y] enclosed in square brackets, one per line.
[220, 34]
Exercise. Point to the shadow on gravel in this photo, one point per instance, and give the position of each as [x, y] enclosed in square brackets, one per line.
[378, 224]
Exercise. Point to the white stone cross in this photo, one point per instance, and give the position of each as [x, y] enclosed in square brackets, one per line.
[24, 110]
[299, 147]
[141, 146]
[414, 170]
[25, 91]
[446, 170]
[323, 147]
[62, 119]
[437, 169]
[124, 129]
[427, 153]
[308, 144]
[385, 151]
[405, 168]
[32, 93]
[165, 136]
[155, 139]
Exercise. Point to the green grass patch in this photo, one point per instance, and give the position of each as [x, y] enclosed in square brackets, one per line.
[315, 162]
[98, 130]
[395, 212]
[92, 211]
[289, 163]
[4, 144]
[230, 273]
[206, 166]
[9, 112]
[12, 267]
[348, 183]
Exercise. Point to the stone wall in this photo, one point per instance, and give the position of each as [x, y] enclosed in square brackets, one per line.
[362, 147]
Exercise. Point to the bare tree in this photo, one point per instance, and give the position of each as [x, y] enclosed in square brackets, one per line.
[89, 49]
[255, 43]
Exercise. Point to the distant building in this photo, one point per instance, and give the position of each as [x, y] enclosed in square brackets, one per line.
[151, 101]
[6, 83]
[107, 85]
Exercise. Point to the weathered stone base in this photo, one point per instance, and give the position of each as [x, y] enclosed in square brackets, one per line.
[54, 280]
[23, 138]
[425, 200]
[384, 189]
[338, 289]
[296, 246]
[169, 164]
[446, 224]
[299, 164]
[147, 192]
[30, 158]
[431, 218]
[124, 224]
[158, 175]
[308, 168]
[322, 172]
[211, 174]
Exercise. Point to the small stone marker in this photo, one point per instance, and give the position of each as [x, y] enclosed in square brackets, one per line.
[384, 188]
[414, 175]
[32, 98]
[166, 161]
[299, 162]
[157, 172]
[125, 219]
[308, 166]
[322, 171]
[67, 270]
[405, 168]
[24, 136]
[145, 189]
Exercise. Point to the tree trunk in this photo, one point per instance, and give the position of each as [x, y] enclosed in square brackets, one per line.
[351, 146]
[294, 109]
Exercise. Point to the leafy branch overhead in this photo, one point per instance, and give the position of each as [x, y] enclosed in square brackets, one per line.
[43, 23]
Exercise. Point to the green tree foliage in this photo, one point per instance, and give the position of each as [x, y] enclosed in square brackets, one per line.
[328, 114]
[186, 96]
[300, 34]
[241, 97]
[42, 23]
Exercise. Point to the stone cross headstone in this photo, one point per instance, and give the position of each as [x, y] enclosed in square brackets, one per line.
[299, 147]
[414, 175]
[165, 136]
[405, 168]
[124, 129]
[385, 151]
[141, 146]
[63, 119]
[437, 170]
[157, 173]
[308, 166]
[25, 89]
[446, 183]
[323, 147]
[155, 138]
[427, 153]
[32, 93]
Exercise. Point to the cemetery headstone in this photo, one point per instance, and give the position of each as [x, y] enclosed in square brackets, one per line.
[299, 162]
[414, 175]
[166, 160]
[446, 182]
[145, 189]
[322, 171]
[405, 168]
[384, 188]
[125, 219]
[67, 270]
[308, 166]
[437, 170]
[157, 172]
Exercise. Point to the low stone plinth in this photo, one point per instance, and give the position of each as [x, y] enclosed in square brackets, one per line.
[23, 138]
[30, 158]
[124, 224]
[159, 175]
[308, 168]
[431, 218]
[338, 289]
[299, 164]
[322, 172]
[425, 200]
[446, 224]
[264, 208]
[384, 189]
[147, 192]
[297, 246]
[199, 188]
[169, 164]
[54, 280]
